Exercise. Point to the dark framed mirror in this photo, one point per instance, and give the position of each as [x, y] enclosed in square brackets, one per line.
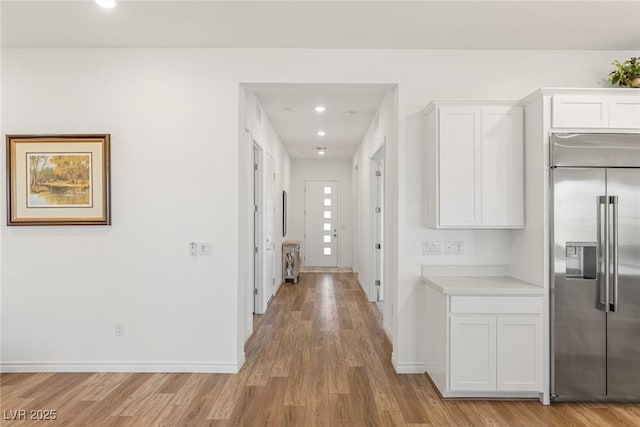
[284, 213]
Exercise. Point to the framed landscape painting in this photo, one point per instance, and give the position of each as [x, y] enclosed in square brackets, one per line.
[58, 179]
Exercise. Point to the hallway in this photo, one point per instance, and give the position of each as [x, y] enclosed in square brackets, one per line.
[318, 357]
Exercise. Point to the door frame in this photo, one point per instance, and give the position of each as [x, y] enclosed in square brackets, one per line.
[268, 283]
[377, 228]
[258, 228]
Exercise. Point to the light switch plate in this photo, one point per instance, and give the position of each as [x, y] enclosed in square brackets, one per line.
[449, 248]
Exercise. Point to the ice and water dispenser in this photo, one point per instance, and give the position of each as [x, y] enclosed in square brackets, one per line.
[582, 260]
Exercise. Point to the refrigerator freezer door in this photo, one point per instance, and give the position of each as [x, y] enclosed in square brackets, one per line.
[623, 324]
[579, 332]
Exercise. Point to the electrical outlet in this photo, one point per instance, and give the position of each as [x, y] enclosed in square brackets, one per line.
[193, 248]
[449, 248]
[119, 329]
[458, 247]
[432, 248]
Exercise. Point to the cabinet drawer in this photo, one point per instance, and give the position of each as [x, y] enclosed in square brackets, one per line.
[493, 304]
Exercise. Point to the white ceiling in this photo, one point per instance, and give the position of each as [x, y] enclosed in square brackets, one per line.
[451, 24]
[298, 126]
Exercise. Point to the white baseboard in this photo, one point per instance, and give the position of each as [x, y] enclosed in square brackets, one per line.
[366, 291]
[388, 333]
[407, 367]
[240, 364]
[210, 368]
[492, 394]
[247, 335]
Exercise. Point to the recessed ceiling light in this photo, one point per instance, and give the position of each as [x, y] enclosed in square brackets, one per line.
[321, 153]
[287, 108]
[321, 133]
[320, 109]
[350, 113]
[107, 4]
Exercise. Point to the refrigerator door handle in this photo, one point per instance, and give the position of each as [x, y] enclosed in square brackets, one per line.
[613, 202]
[603, 249]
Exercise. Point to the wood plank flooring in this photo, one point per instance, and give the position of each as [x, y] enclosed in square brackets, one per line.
[318, 357]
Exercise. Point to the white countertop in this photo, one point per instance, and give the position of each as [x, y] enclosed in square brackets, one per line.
[481, 285]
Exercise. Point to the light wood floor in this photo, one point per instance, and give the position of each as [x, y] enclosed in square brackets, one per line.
[317, 358]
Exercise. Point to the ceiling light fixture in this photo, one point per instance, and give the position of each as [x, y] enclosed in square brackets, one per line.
[350, 113]
[321, 153]
[321, 150]
[320, 109]
[321, 133]
[107, 4]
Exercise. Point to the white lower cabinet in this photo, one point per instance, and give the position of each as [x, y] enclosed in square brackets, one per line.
[518, 361]
[484, 344]
[473, 353]
[495, 353]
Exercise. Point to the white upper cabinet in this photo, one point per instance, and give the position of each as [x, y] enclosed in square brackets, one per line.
[624, 112]
[473, 172]
[580, 111]
[460, 166]
[596, 111]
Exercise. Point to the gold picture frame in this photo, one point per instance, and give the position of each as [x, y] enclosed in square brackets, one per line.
[58, 179]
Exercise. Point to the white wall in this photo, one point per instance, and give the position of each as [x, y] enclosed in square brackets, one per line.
[384, 136]
[323, 170]
[173, 116]
[261, 132]
[173, 181]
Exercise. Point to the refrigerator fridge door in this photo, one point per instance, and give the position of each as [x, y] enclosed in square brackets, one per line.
[623, 322]
[579, 332]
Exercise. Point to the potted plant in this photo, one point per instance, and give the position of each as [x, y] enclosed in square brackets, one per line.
[626, 73]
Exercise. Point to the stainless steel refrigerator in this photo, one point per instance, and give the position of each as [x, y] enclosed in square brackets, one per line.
[595, 278]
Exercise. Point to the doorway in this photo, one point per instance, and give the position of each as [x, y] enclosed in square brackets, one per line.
[377, 198]
[257, 228]
[321, 224]
[264, 211]
[269, 282]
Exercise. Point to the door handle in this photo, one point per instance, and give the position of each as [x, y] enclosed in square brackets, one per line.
[603, 252]
[613, 202]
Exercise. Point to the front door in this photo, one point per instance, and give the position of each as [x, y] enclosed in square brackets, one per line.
[321, 224]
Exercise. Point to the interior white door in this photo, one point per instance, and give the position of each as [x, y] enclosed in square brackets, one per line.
[257, 229]
[269, 226]
[379, 226]
[321, 224]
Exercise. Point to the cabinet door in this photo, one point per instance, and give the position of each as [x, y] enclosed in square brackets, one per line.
[519, 349]
[624, 112]
[472, 353]
[459, 166]
[580, 111]
[502, 167]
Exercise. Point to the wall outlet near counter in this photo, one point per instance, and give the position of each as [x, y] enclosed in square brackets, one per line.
[432, 248]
